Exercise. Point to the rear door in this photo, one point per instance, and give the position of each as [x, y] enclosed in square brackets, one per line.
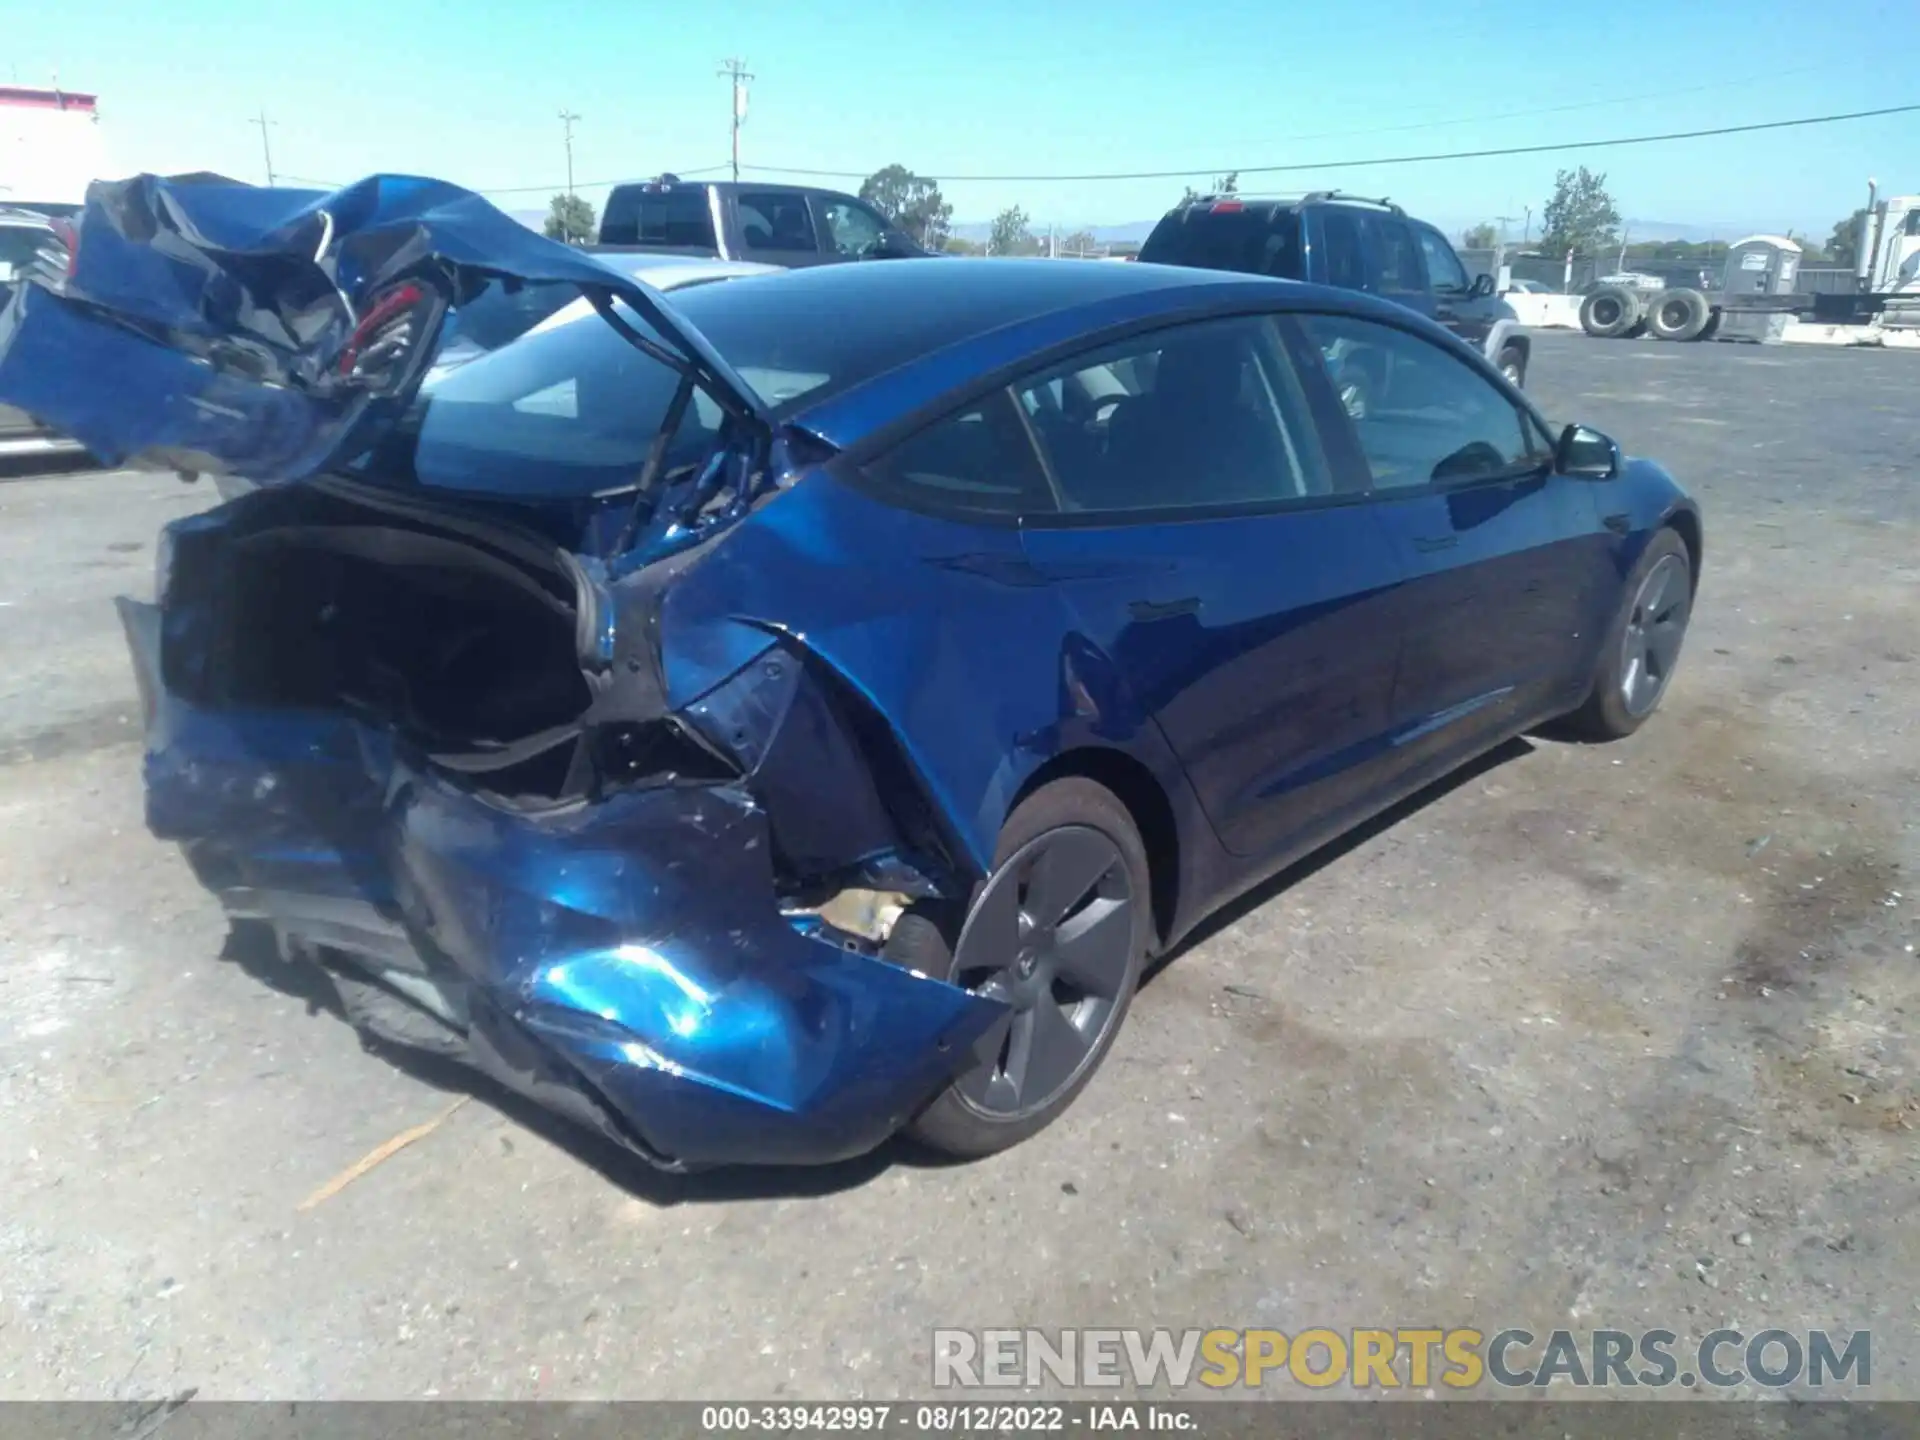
[777, 227]
[1507, 560]
[1215, 556]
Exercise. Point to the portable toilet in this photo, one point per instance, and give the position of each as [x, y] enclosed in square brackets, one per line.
[1761, 265]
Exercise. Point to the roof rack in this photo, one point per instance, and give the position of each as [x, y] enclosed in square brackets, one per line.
[1346, 198]
[1310, 198]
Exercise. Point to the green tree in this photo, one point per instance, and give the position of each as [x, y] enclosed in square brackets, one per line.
[1080, 242]
[569, 218]
[955, 245]
[1480, 237]
[1227, 184]
[911, 201]
[1843, 246]
[1012, 233]
[1580, 215]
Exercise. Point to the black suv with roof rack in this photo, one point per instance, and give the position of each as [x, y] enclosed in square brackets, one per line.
[1332, 238]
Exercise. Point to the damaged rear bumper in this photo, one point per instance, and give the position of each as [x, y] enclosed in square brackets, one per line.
[624, 963]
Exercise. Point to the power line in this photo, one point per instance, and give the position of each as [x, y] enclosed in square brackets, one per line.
[1380, 160]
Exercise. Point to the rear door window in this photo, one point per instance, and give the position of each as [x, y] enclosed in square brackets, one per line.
[1342, 261]
[1198, 417]
[775, 220]
[673, 215]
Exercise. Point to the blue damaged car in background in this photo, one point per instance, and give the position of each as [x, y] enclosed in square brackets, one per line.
[755, 723]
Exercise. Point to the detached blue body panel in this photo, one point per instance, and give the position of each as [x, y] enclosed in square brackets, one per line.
[234, 305]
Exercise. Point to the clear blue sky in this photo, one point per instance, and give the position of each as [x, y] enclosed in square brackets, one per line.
[471, 92]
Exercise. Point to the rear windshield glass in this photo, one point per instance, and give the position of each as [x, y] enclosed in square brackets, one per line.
[676, 216]
[571, 408]
[498, 314]
[1257, 242]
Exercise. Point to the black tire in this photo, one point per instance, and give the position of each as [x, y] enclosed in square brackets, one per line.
[1610, 312]
[932, 943]
[1677, 315]
[1512, 363]
[1608, 713]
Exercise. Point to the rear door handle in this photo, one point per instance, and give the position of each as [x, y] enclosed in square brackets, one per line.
[1164, 609]
[1427, 544]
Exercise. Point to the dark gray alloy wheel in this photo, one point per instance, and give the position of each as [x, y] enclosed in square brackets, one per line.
[1053, 938]
[1656, 625]
[1058, 933]
[1643, 643]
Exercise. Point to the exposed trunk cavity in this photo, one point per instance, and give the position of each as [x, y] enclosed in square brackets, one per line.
[464, 646]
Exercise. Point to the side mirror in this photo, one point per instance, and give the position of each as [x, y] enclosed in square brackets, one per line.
[1586, 454]
[1482, 287]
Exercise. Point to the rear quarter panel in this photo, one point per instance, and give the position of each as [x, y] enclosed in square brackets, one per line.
[941, 626]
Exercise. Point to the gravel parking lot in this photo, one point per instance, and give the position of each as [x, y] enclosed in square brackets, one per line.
[1615, 1036]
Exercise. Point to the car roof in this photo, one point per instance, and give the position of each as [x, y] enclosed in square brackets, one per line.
[922, 329]
[670, 272]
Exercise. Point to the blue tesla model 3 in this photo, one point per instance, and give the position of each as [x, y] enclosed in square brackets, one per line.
[755, 723]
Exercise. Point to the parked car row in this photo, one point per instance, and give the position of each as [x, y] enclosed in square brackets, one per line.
[750, 736]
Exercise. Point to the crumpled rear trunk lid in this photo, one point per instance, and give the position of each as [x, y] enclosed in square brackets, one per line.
[273, 334]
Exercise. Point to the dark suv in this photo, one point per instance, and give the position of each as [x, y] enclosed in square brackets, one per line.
[1331, 238]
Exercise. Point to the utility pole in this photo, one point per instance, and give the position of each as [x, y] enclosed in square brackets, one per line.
[265, 148]
[1526, 235]
[567, 117]
[736, 71]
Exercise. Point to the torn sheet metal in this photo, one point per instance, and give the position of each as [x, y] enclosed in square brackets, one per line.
[625, 963]
[271, 333]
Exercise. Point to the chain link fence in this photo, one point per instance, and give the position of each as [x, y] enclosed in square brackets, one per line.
[1583, 272]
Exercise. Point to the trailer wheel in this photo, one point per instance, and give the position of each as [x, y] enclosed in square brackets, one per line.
[1678, 315]
[1609, 312]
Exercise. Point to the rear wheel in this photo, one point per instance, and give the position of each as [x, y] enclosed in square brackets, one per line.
[1610, 312]
[1643, 644]
[1678, 315]
[1058, 933]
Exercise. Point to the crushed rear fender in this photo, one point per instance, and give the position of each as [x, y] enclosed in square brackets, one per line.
[629, 963]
